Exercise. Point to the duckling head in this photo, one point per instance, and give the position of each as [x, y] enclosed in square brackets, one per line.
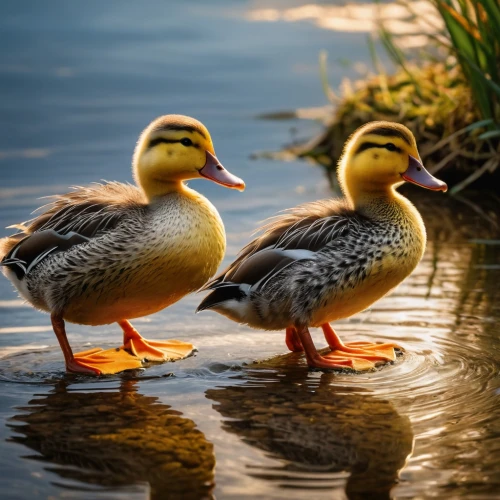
[175, 148]
[379, 157]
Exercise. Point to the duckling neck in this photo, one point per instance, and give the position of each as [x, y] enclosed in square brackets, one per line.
[391, 207]
[154, 189]
[375, 203]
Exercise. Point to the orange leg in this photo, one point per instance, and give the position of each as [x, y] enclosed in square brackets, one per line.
[329, 362]
[292, 340]
[169, 350]
[370, 351]
[94, 361]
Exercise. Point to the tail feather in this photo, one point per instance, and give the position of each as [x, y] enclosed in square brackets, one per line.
[8, 243]
[213, 283]
[229, 291]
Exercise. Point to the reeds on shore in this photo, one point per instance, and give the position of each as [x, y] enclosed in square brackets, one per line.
[451, 102]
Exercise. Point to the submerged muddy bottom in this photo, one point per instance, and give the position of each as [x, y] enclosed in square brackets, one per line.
[233, 422]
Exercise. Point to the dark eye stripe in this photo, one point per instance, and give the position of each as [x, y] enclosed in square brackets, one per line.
[160, 140]
[180, 127]
[389, 132]
[368, 145]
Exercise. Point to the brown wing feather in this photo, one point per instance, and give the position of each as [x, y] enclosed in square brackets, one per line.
[84, 203]
[281, 226]
[86, 210]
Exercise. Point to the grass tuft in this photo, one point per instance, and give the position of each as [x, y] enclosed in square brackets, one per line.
[452, 105]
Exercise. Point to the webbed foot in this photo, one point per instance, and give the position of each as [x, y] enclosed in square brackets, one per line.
[333, 362]
[153, 350]
[371, 352]
[102, 362]
[357, 356]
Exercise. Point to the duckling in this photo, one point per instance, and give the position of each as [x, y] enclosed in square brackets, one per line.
[112, 252]
[330, 259]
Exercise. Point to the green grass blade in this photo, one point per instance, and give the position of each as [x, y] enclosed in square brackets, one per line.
[398, 57]
[492, 8]
[479, 124]
[487, 82]
[491, 134]
[323, 74]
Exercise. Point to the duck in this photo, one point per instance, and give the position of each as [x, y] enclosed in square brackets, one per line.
[111, 252]
[330, 259]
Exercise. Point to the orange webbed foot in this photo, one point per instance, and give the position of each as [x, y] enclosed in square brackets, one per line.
[371, 352]
[357, 356]
[102, 362]
[93, 361]
[153, 350]
[332, 362]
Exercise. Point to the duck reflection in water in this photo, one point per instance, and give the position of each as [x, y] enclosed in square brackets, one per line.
[118, 438]
[316, 427]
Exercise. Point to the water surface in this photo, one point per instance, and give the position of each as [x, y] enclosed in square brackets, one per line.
[241, 419]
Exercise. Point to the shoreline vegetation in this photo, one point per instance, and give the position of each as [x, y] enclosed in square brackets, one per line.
[449, 96]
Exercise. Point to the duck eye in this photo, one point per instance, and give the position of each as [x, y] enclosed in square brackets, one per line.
[186, 142]
[390, 147]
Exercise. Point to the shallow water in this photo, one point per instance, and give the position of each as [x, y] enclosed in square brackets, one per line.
[75, 95]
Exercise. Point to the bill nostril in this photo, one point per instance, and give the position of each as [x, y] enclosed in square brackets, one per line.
[419, 168]
[219, 167]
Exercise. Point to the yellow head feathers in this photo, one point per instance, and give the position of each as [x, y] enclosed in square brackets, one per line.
[378, 157]
[175, 148]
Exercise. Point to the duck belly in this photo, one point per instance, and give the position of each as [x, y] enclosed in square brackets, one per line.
[170, 258]
[146, 286]
[347, 302]
[141, 296]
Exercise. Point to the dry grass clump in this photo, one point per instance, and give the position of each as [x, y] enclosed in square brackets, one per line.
[441, 113]
[452, 105]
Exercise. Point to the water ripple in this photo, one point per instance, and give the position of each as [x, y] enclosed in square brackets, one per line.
[429, 418]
